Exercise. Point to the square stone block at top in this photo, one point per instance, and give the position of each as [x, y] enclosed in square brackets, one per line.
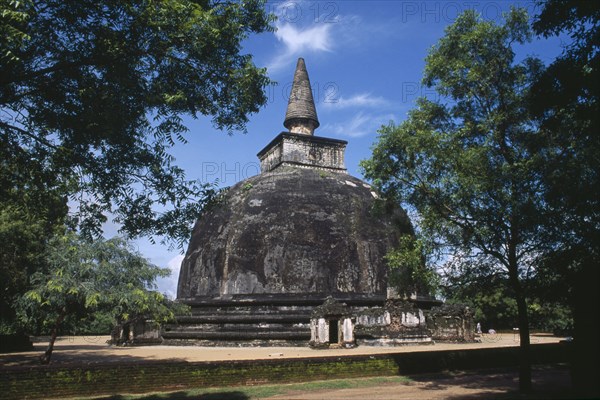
[305, 151]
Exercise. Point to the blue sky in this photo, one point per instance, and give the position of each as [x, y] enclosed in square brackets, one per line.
[365, 61]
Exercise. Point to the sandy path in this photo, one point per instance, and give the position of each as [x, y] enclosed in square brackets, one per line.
[548, 383]
[94, 349]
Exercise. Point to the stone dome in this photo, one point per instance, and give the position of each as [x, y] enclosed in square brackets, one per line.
[296, 254]
[292, 230]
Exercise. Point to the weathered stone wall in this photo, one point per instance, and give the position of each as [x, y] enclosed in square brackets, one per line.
[296, 149]
[293, 230]
[336, 314]
[258, 319]
[398, 322]
[451, 323]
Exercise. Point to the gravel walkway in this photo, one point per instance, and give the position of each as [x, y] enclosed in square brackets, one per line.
[82, 349]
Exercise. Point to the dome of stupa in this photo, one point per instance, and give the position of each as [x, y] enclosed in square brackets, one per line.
[295, 255]
[292, 230]
[303, 226]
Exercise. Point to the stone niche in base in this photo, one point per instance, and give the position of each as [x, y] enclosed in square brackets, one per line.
[332, 324]
[451, 323]
[265, 257]
[398, 322]
[140, 332]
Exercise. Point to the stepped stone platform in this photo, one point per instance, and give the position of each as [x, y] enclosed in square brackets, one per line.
[254, 320]
[296, 255]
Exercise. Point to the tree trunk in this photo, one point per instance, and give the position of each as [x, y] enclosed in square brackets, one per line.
[523, 325]
[45, 358]
[524, 345]
[585, 370]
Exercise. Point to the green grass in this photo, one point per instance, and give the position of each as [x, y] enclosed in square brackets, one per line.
[259, 391]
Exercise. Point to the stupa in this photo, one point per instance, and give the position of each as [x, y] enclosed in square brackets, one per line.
[303, 237]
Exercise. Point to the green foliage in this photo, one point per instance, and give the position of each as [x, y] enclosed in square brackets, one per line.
[23, 234]
[567, 99]
[492, 301]
[92, 95]
[12, 28]
[465, 165]
[408, 271]
[99, 322]
[86, 277]
[464, 162]
[551, 317]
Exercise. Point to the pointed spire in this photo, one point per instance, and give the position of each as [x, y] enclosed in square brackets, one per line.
[301, 115]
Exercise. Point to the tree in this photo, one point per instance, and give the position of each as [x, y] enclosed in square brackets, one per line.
[92, 98]
[567, 100]
[493, 305]
[32, 208]
[84, 277]
[92, 95]
[20, 255]
[462, 161]
[409, 269]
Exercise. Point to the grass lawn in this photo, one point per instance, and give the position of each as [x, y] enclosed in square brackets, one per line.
[258, 392]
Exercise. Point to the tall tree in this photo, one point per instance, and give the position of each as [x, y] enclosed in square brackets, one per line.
[490, 299]
[567, 99]
[84, 277]
[462, 160]
[92, 94]
[92, 98]
[21, 254]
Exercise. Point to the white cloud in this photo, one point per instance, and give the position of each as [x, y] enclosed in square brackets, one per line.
[298, 42]
[168, 285]
[305, 27]
[300, 31]
[359, 100]
[360, 124]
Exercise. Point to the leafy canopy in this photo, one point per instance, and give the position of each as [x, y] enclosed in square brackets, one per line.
[409, 271]
[21, 254]
[92, 95]
[567, 99]
[464, 161]
[87, 277]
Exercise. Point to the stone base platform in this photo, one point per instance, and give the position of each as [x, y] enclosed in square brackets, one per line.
[320, 320]
[254, 320]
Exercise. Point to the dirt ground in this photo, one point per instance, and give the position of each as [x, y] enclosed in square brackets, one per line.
[94, 349]
[549, 382]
